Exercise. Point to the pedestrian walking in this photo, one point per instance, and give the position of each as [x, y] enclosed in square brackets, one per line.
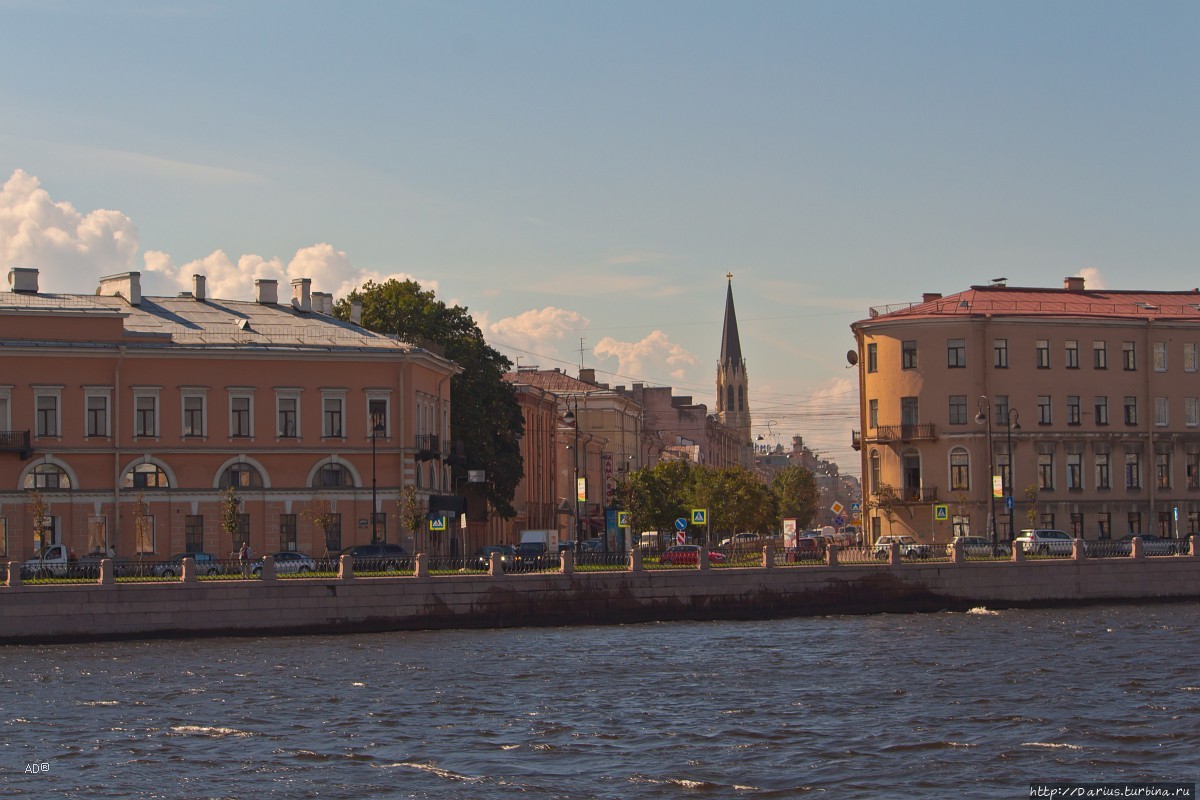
[245, 555]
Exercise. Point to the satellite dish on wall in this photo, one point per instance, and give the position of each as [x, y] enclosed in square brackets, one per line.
[851, 357]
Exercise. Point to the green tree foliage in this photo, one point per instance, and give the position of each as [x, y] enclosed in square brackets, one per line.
[656, 497]
[485, 414]
[795, 488]
[736, 500]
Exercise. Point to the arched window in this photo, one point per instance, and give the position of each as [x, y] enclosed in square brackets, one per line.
[729, 406]
[960, 470]
[332, 475]
[241, 475]
[741, 398]
[874, 487]
[146, 476]
[47, 476]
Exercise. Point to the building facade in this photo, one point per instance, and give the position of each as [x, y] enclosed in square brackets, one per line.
[125, 417]
[1012, 407]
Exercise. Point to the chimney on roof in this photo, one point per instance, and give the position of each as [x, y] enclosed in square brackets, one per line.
[266, 291]
[1073, 283]
[587, 375]
[929, 297]
[23, 280]
[198, 287]
[302, 294]
[356, 312]
[318, 301]
[124, 284]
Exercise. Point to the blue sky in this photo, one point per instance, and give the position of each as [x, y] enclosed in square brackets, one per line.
[592, 170]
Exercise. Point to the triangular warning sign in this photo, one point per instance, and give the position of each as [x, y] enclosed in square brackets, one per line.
[564, 507]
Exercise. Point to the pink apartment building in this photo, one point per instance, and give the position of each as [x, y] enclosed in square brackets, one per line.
[1079, 408]
[114, 401]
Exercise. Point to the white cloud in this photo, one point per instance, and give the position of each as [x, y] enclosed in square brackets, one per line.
[1092, 278]
[656, 354]
[538, 329]
[59, 241]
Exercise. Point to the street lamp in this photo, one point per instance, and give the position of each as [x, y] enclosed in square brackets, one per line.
[985, 415]
[1013, 420]
[377, 426]
[572, 418]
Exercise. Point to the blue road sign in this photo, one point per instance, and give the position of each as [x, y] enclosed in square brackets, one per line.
[681, 524]
[839, 522]
[1008, 503]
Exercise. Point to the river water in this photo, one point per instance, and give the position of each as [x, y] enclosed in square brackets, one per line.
[959, 705]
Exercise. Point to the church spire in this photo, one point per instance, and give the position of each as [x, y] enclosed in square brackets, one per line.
[733, 391]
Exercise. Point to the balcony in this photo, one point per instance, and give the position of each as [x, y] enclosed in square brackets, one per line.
[856, 440]
[903, 433]
[428, 447]
[16, 442]
[455, 454]
[910, 495]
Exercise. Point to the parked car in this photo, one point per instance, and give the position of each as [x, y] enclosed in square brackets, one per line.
[378, 557]
[1045, 542]
[808, 548]
[533, 555]
[287, 562]
[483, 557]
[1151, 545]
[206, 564]
[909, 547]
[88, 566]
[740, 540]
[688, 554]
[982, 547]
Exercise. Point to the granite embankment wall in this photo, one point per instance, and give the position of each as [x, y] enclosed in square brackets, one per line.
[30, 613]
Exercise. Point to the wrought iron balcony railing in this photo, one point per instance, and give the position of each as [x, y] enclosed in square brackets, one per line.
[428, 447]
[16, 442]
[902, 433]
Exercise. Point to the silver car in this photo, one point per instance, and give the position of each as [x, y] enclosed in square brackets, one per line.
[981, 547]
[1045, 542]
[287, 562]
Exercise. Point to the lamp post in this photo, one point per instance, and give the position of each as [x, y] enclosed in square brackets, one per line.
[572, 419]
[1013, 420]
[376, 426]
[985, 415]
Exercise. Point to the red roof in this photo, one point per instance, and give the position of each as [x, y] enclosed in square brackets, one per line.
[551, 380]
[1027, 302]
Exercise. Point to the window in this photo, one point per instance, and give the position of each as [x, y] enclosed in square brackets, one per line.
[3, 536]
[241, 416]
[1160, 411]
[193, 415]
[1101, 410]
[960, 470]
[1193, 472]
[1131, 411]
[144, 534]
[1076, 525]
[47, 414]
[1129, 355]
[1160, 356]
[377, 417]
[909, 411]
[1104, 525]
[1074, 471]
[1000, 353]
[145, 409]
[97, 531]
[1073, 414]
[1071, 355]
[1135, 522]
[1162, 470]
[1100, 355]
[1004, 468]
[908, 355]
[1043, 354]
[47, 476]
[1164, 524]
[1133, 471]
[1046, 471]
[288, 413]
[332, 475]
[873, 413]
[146, 476]
[960, 525]
[1045, 417]
[241, 475]
[1000, 404]
[872, 357]
[242, 535]
[956, 353]
[1047, 520]
[193, 533]
[1191, 411]
[874, 471]
[1103, 472]
[1189, 359]
[332, 422]
[1193, 519]
[97, 414]
[958, 409]
[287, 532]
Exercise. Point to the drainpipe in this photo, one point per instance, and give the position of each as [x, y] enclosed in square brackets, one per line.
[116, 417]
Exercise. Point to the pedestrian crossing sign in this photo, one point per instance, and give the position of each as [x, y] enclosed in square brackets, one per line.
[699, 516]
[437, 523]
[622, 519]
[941, 512]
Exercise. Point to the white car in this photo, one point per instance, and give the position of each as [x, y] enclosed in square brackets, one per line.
[909, 547]
[739, 540]
[981, 547]
[1045, 542]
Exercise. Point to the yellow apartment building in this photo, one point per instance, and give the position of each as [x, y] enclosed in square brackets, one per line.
[1065, 408]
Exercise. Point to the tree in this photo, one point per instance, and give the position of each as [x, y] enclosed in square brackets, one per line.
[1031, 495]
[38, 507]
[485, 414]
[231, 514]
[795, 488]
[411, 512]
[656, 497]
[887, 500]
[736, 501]
[141, 526]
[319, 512]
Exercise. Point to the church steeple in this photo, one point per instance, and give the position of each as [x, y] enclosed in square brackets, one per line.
[733, 391]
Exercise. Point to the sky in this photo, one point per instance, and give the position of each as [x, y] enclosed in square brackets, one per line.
[581, 176]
